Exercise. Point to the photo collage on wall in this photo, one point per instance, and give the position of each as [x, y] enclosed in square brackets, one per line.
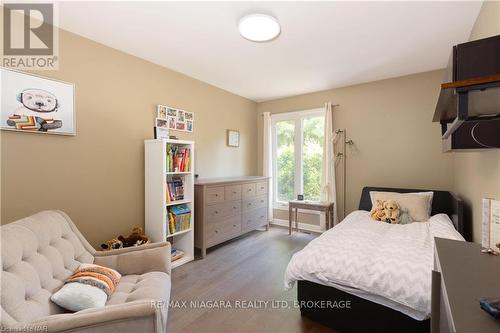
[174, 119]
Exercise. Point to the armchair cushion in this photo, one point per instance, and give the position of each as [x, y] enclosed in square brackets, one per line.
[153, 286]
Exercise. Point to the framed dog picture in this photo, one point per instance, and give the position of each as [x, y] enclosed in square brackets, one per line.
[36, 104]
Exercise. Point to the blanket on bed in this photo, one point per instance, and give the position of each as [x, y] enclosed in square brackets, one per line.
[390, 261]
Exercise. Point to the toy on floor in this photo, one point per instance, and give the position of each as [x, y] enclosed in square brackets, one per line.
[136, 238]
[112, 244]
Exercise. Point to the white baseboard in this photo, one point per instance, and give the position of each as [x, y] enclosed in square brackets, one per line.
[302, 226]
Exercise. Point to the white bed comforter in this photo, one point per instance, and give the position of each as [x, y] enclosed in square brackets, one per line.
[385, 263]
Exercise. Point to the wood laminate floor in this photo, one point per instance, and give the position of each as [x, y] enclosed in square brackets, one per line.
[249, 269]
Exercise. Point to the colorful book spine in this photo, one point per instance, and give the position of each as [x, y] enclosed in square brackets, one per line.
[178, 159]
[179, 218]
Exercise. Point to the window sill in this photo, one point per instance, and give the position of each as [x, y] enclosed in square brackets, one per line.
[303, 211]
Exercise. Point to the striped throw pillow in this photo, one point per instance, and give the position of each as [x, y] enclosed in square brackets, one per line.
[101, 277]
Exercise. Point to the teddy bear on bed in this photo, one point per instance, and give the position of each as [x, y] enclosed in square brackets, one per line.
[391, 212]
[377, 212]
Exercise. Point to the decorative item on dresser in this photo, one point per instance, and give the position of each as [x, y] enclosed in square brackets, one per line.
[229, 207]
[169, 193]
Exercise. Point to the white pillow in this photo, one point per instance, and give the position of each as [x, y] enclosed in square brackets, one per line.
[419, 204]
[78, 296]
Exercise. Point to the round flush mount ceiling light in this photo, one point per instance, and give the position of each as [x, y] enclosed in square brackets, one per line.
[259, 27]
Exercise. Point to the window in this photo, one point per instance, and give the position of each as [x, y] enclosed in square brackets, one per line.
[297, 155]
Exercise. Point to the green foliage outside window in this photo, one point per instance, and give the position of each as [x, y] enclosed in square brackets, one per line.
[312, 152]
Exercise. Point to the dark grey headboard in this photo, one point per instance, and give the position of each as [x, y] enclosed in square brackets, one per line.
[442, 202]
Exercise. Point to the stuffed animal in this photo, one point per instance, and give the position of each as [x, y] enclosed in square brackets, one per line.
[391, 212]
[112, 244]
[377, 212]
[404, 216]
[136, 238]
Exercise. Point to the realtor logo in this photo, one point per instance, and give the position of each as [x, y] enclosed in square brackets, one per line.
[29, 36]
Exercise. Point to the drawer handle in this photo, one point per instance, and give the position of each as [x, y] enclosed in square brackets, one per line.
[216, 195]
[234, 192]
[249, 190]
[234, 207]
[261, 188]
[216, 212]
[216, 231]
[234, 225]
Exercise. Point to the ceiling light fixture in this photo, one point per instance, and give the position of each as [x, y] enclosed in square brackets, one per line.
[259, 27]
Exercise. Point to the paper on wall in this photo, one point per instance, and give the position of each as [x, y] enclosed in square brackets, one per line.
[495, 224]
[485, 242]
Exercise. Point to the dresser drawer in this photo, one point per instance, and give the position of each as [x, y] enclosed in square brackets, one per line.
[232, 208]
[261, 201]
[261, 188]
[232, 192]
[219, 232]
[254, 203]
[249, 204]
[248, 190]
[254, 219]
[216, 212]
[214, 194]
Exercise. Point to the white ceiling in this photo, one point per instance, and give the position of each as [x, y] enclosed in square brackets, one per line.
[323, 45]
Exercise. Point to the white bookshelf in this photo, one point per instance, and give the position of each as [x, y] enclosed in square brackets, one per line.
[156, 206]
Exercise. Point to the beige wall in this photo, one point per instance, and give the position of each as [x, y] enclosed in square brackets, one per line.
[396, 144]
[97, 177]
[477, 174]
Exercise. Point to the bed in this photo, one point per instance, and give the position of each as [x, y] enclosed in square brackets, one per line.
[325, 287]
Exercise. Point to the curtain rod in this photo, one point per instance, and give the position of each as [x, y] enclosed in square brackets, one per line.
[333, 106]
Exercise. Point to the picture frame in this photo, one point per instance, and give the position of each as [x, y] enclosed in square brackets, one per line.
[161, 133]
[171, 122]
[35, 104]
[171, 112]
[189, 126]
[161, 111]
[233, 138]
[176, 119]
[162, 123]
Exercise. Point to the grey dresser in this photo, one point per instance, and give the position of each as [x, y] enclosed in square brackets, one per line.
[228, 207]
[462, 275]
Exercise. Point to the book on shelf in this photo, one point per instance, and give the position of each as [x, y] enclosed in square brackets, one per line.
[178, 158]
[179, 218]
[176, 254]
[174, 189]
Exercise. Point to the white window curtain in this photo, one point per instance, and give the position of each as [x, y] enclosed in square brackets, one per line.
[328, 184]
[267, 161]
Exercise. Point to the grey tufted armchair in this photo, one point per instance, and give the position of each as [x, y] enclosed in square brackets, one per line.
[39, 252]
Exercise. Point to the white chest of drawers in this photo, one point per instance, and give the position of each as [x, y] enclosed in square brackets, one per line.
[226, 208]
